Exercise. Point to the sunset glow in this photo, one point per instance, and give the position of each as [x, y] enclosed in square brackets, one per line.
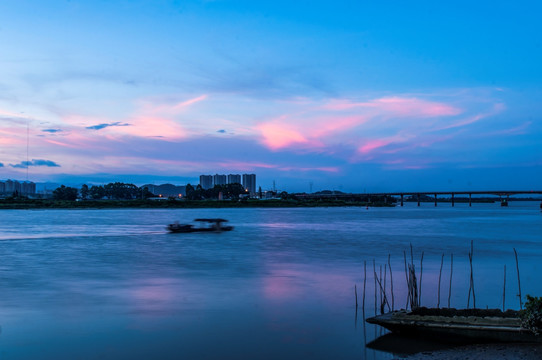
[236, 91]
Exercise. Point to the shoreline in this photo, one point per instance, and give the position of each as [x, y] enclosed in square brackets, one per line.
[178, 204]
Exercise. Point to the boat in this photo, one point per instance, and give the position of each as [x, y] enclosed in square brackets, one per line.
[468, 325]
[215, 225]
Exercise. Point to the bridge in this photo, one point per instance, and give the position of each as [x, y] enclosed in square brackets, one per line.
[419, 194]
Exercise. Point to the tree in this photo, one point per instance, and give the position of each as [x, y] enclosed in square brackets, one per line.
[145, 193]
[121, 191]
[97, 192]
[84, 191]
[190, 192]
[65, 193]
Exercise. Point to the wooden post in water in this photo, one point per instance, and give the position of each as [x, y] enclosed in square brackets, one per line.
[420, 288]
[391, 285]
[364, 282]
[435, 200]
[374, 271]
[418, 196]
[439, 277]
[381, 296]
[519, 283]
[406, 278]
[401, 199]
[470, 199]
[471, 287]
[453, 201]
[451, 275]
[356, 293]
[504, 290]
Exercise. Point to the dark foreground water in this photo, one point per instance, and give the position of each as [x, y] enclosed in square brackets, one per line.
[112, 284]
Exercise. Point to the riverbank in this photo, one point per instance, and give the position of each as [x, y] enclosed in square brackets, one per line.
[181, 204]
[484, 352]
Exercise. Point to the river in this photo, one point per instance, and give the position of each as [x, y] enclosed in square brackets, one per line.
[113, 284]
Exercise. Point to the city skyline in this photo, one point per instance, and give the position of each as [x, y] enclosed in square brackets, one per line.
[342, 96]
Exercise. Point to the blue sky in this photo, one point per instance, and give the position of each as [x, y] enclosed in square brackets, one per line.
[347, 95]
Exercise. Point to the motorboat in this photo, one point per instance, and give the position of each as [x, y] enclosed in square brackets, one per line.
[206, 225]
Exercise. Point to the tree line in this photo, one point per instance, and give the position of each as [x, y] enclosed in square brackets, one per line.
[122, 191]
[111, 191]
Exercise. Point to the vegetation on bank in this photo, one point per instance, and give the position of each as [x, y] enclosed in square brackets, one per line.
[22, 203]
[121, 195]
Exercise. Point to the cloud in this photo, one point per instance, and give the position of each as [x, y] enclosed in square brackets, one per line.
[52, 131]
[103, 126]
[34, 162]
[221, 131]
[1, 165]
[318, 127]
[398, 106]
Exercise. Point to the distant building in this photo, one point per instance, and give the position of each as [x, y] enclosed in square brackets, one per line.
[28, 188]
[234, 179]
[206, 181]
[9, 187]
[219, 180]
[249, 183]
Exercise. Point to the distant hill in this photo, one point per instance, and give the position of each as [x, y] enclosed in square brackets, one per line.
[166, 190]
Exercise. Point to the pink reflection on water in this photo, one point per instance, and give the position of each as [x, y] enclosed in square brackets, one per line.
[287, 282]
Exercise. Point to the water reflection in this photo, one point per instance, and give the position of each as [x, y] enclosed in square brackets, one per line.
[112, 284]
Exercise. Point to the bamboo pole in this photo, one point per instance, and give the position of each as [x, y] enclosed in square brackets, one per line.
[439, 277]
[356, 293]
[472, 274]
[364, 281]
[374, 270]
[406, 277]
[504, 290]
[381, 287]
[391, 285]
[519, 283]
[451, 275]
[384, 299]
[420, 287]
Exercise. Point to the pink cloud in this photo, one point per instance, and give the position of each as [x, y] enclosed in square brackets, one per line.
[344, 121]
[399, 106]
[153, 106]
[374, 144]
[276, 135]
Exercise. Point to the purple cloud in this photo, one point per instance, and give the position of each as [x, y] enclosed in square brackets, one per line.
[103, 126]
[34, 162]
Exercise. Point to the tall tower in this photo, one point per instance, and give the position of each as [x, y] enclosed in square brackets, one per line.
[219, 179]
[249, 183]
[234, 179]
[206, 181]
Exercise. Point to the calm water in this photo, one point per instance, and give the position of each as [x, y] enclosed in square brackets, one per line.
[112, 284]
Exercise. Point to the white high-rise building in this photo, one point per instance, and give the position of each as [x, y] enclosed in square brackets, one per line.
[206, 181]
[249, 183]
[219, 179]
[234, 179]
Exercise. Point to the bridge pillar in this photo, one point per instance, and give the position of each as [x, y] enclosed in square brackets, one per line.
[453, 201]
[435, 199]
[401, 199]
[418, 196]
[470, 199]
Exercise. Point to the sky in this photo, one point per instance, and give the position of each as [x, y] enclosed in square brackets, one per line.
[355, 96]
